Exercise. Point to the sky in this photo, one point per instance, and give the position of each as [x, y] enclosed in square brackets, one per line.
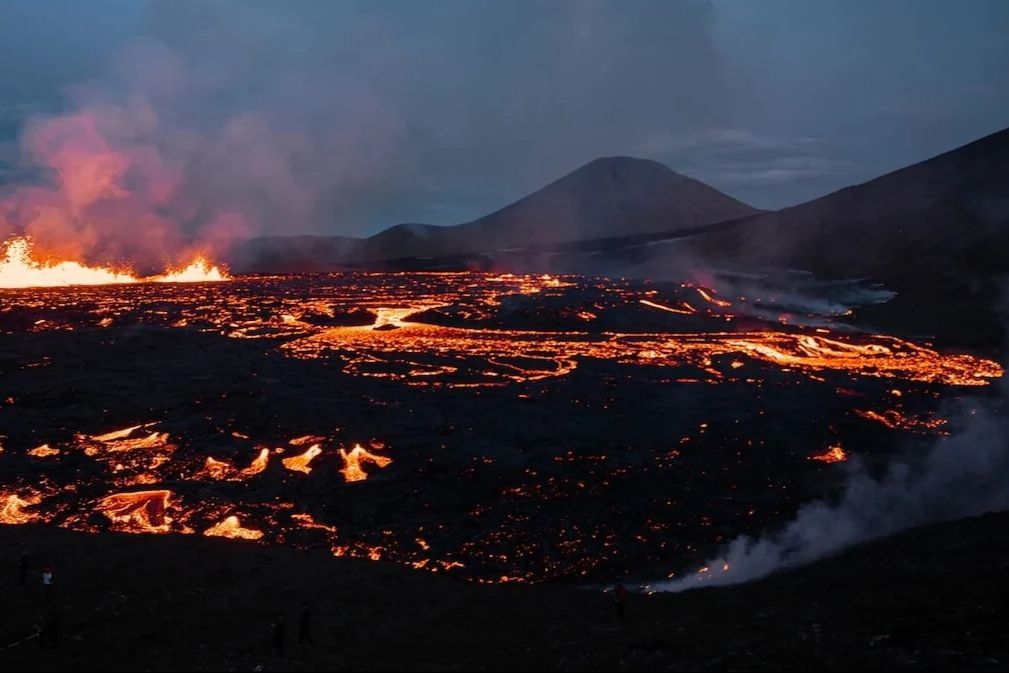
[345, 117]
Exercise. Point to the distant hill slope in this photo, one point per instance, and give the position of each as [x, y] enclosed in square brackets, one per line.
[613, 196]
[945, 215]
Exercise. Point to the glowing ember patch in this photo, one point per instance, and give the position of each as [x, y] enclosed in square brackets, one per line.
[44, 451]
[138, 512]
[834, 454]
[307, 521]
[352, 461]
[895, 420]
[232, 528]
[12, 508]
[305, 440]
[19, 268]
[301, 462]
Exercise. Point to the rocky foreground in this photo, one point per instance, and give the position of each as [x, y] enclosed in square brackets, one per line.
[936, 598]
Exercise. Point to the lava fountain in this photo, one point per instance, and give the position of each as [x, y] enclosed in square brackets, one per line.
[20, 267]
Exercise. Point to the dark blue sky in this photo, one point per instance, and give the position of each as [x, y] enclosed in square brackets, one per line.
[346, 117]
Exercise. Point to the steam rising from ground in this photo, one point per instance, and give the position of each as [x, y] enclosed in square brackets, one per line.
[964, 474]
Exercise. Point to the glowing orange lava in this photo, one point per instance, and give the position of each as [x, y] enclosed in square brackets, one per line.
[300, 463]
[138, 512]
[12, 508]
[222, 471]
[231, 527]
[834, 454]
[352, 470]
[21, 268]
[44, 451]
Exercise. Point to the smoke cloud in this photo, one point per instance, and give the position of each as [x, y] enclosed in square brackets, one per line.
[228, 119]
[964, 474]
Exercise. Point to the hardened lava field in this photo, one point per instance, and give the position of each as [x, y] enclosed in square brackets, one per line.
[496, 427]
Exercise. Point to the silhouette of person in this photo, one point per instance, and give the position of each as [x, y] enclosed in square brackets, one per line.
[620, 601]
[305, 626]
[279, 631]
[23, 568]
[47, 582]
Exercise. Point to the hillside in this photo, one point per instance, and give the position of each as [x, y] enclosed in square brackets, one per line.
[614, 196]
[949, 214]
[936, 598]
[609, 197]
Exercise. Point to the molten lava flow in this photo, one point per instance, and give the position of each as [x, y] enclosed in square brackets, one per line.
[12, 508]
[711, 299]
[221, 471]
[20, 268]
[44, 451]
[352, 470]
[231, 527]
[216, 469]
[155, 445]
[300, 463]
[670, 309]
[119, 434]
[257, 465]
[834, 454]
[138, 512]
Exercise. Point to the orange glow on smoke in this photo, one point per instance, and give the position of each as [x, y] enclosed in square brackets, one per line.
[232, 528]
[352, 470]
[834, 454]
[300, 463]
[20, 268]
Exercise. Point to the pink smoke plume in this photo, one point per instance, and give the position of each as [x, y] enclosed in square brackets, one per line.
[110, 194]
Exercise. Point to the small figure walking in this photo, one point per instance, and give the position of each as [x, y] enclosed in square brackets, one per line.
[620, 601]
[305, 626]
[23, 567]
[279, 630]
[47, 582]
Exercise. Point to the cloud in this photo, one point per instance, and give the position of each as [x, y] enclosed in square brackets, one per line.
[735, 158]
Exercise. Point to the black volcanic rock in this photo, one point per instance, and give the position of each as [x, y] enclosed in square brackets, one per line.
[611, 196]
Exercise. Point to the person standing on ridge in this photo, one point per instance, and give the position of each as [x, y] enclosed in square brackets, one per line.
[279, 630]
[620, 601]
[23, 567]
[47, 582]
[305, 625]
